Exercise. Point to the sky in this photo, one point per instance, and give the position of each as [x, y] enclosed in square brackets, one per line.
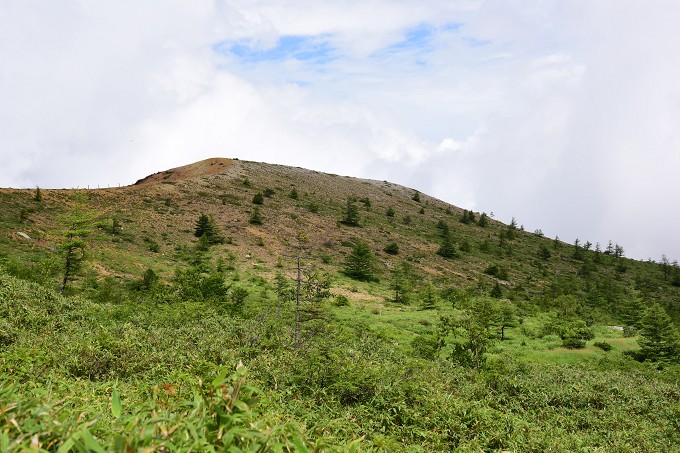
[562, 114]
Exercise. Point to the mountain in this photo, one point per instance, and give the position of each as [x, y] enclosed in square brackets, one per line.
[157, 216]
[234, 305]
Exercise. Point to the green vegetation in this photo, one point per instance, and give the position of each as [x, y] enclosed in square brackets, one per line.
[301, 334]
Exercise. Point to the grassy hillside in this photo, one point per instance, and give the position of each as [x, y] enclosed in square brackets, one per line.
[502, 345]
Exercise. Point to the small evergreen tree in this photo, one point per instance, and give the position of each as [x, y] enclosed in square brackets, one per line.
[428, 297]
[294, 194]
[447, 248]
[258, 198]
[390, 211]
[351, 217]
[256, 217]
[483, 220]
[401, 284]
[496, 292]
[205, 226]
[360, 262]
[416, 196]
[659, 340]
[392, 248]
[38, 195]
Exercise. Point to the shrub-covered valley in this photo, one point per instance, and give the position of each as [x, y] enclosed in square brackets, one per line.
[239, 306]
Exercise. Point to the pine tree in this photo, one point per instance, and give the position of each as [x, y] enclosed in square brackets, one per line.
[73, 247]
[659, 340]
[294, 194]
[401, 284]
[255, 217]
[258, 198]
[38, 195]
[428, 297]
[483, 220]
[360, 262]
[351, 217]
[447, 248]
[205, 227]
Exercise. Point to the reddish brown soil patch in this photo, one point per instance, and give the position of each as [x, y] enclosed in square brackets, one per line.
[206, 167]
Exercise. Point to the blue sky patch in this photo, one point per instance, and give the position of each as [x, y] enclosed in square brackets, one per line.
[420, 38]
[315, 49]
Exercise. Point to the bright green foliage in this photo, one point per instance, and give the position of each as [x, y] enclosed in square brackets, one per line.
[468, 338]
[360, 264]
[507, 316]
[401, 283]
[659, 339]
[429, 299]
[283, 288]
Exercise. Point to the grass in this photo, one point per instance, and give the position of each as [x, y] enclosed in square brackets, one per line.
[170, 352]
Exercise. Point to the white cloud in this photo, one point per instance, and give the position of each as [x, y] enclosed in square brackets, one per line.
[563, 114]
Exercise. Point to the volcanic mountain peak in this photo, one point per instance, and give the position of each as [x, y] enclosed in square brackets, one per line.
[207, 167]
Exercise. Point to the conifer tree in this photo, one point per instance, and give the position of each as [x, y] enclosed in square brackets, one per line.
[659, 340]
[360, 262]
[255, 217]
[351, 217]
[258, 198]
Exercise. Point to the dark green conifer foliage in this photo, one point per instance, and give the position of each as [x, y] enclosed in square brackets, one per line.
[483, 220]
[468, 217]
[390, 211]
[360, 264]
[496, 292]
[416, 196]
[544, 253]
[38, 195]
[392, 248]
[659, 340]
[294, 194]
[258, 198]
[205, 226]
[631, 308]
[256, 217]
[447, 249]
[351, 217]
[578, 250]
[73, 247]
